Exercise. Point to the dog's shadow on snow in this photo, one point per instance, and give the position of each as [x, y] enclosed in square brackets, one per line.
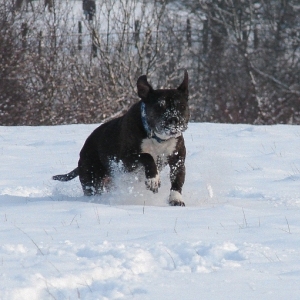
[127, 189]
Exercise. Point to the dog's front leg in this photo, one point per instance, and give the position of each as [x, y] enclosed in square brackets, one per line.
[152, 176]
[177, 177]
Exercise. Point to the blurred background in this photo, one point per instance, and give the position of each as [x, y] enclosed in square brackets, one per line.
[64, 62]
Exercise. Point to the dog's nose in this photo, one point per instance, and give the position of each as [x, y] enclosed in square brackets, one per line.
[173, 120]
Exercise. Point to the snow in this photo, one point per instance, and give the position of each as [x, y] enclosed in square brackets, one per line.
[237, 237]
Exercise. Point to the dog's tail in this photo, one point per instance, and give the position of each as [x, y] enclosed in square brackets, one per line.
[67, 177]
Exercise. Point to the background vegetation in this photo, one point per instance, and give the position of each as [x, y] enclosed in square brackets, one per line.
[60, 66]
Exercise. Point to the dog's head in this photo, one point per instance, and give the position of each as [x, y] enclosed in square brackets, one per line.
[166, 110]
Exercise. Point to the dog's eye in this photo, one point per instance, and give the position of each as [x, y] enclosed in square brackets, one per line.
[162, 103]
[182, 106]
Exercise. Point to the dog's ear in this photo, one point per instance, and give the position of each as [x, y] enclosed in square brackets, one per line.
[185, 83]
[143, 87]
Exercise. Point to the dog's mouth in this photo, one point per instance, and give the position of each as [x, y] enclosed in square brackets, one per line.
[173, 131]
[170, 131]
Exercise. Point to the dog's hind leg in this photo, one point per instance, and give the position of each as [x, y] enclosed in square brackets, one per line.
[93, 177]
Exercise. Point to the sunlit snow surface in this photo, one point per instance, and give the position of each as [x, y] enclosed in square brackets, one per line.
[237, 238]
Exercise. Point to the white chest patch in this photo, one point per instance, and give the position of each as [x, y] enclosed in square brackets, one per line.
[159, 151]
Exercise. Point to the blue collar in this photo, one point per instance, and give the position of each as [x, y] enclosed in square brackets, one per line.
[150, 133]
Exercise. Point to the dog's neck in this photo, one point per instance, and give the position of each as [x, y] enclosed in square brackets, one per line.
[151, 133]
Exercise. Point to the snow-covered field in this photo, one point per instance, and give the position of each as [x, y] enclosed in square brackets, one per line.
[237, 238]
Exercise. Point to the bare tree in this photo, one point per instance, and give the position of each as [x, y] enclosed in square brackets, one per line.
[249, 61]
[59, 67]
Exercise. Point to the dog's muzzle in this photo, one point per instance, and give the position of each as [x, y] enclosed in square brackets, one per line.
[171, 127]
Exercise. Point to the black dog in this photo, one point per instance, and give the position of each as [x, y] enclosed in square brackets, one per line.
[148, 135]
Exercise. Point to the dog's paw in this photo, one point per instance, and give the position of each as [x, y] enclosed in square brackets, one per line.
[176, 203]
[175, 199]
[153, 184]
